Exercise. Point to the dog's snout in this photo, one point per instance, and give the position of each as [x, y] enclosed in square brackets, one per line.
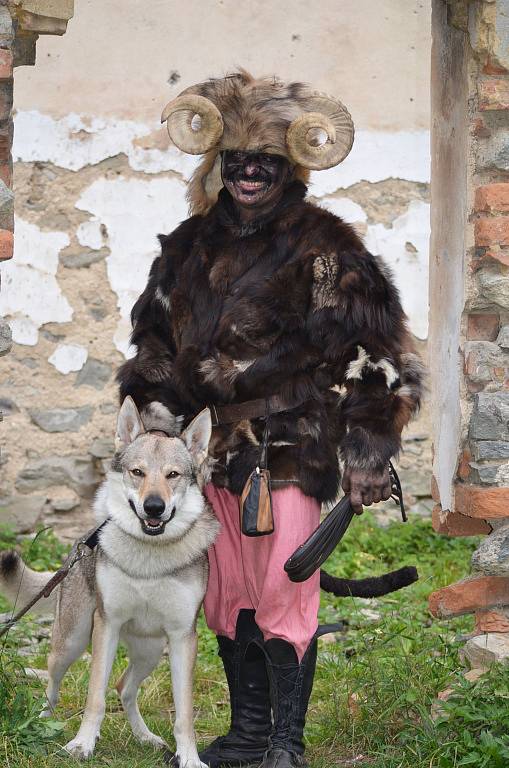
[154, 506]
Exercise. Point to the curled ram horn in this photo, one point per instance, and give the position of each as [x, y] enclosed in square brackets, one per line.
[321, 137]
[194, 123]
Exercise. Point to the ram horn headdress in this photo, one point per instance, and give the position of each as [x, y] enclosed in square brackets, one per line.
[313, 130]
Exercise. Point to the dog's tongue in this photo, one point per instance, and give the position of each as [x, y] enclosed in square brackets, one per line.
[153, 523]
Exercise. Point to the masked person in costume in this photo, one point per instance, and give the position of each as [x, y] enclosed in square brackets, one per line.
[270, 310]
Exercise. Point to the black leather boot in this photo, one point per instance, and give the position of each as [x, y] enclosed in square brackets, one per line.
[248, 683]
[290, 687]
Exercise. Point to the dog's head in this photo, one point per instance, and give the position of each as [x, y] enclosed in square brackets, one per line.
[160, 475]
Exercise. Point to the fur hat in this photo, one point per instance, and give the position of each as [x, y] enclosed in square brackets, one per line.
[312, 130]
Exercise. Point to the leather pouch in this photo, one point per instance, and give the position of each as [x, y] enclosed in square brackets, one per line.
[256, 518]
[256, 505]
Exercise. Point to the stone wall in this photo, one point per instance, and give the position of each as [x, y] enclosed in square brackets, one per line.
[471, 267]
[94, 187]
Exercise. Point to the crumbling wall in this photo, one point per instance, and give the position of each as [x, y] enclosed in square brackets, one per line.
[95, 187]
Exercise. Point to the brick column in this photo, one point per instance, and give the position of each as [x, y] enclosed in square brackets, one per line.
[471, 483]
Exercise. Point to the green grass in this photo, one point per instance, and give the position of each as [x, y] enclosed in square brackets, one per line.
[373, 691]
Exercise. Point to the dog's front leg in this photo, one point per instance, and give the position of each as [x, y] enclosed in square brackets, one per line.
[104, 645]
[183, 649]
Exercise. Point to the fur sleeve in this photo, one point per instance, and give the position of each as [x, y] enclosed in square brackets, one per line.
[358, 320]
[148, 376]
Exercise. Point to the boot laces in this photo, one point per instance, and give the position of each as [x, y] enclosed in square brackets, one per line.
[288, 683]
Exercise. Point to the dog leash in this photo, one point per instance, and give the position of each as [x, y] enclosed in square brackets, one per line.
[324, 539]
[77, 553]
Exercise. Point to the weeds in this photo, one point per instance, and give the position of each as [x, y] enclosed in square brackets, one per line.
[475, 724]
[22, 699]
[21, 703]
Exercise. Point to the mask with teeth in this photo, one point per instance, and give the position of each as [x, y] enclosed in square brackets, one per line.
[255, 180]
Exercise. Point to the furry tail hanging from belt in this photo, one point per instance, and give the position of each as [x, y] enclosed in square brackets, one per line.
[322, 542]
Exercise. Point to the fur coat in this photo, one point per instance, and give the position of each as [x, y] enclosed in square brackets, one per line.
[290, 304]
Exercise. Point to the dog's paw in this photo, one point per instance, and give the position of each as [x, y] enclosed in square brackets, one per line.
[189, 761]
[79, 749]
[174, 760]
[152, 739]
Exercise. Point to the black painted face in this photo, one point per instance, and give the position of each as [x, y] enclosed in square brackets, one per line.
[254, 178]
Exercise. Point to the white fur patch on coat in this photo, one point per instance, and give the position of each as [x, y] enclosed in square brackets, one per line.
[242, 365]
[163, 298]
[363, 360]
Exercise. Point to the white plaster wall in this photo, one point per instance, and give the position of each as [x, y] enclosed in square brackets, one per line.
[132, 211]
[125, 58]
[31, 295]
[404, 248]
[375, 156]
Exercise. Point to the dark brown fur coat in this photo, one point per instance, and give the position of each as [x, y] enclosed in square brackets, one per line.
[294, 305]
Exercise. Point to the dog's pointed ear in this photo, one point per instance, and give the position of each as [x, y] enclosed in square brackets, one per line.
[129, 424]
[197, 435]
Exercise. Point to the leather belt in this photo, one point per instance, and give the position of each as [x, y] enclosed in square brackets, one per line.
[251, 409]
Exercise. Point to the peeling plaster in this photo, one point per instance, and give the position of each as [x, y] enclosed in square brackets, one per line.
[157, 160]
[30, 293]
[73, 141]
[76, 141]
[69, 357]
[405, 249]
[90, 235]
[133, 211]
[344, 208]
[24, 331]
[376, 156]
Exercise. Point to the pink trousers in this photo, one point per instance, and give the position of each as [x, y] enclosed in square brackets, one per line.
[247, 572]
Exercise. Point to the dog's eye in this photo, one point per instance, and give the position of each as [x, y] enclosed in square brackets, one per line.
[172, 475]
[137, 472]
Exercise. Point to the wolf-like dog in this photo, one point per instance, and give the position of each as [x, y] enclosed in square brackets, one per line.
[143, 584]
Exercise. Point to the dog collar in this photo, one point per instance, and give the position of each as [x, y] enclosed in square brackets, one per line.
[160, 432]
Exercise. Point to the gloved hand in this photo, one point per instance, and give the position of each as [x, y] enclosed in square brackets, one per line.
[366, 487]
